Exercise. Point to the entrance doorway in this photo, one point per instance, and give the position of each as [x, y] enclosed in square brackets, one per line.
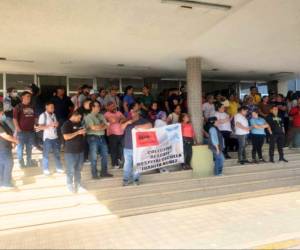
[48, 85]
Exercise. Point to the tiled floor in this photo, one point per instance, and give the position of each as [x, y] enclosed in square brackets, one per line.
[236, 224]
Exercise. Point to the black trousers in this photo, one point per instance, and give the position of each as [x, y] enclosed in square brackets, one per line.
[278, 139]
[115, 148]
[227, 141]
[188, 150]
[257, 144]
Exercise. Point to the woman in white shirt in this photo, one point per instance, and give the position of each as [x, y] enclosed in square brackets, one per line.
[242, 130]
[224, 125]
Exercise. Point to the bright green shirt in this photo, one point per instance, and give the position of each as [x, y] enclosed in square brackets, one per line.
[92, 120]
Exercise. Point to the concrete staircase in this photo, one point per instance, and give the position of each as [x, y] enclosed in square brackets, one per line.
[40, 200]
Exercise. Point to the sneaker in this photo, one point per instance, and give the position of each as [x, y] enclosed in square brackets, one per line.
[125, 183]
[262, 160]
[116, 167]
[80, 189]
[254, 161]
[70, 188]
[272, 161]
[136, 183]
[22, 164]
[241, 162]
[284, 160]
[106, 175]
[46, 172]
[31, 164]
[60, 171]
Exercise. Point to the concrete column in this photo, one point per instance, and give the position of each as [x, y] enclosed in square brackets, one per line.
[283, 87]
[194, 94]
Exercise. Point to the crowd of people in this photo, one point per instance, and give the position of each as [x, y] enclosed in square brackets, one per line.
[93, 123]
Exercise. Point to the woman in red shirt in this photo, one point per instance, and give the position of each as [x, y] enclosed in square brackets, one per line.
[188, 135]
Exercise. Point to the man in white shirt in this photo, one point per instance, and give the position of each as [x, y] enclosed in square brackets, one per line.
[48, 125]
[208, 107]
[242, 130]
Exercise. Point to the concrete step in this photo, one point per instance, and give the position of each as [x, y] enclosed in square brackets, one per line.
[135, 200]
[196, 193]
[32, 197]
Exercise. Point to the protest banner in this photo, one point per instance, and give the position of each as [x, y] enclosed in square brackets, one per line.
[157, 147]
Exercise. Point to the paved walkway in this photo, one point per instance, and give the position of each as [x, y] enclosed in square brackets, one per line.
[238, 224]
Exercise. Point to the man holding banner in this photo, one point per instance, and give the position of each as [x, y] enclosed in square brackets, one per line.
[136, 122]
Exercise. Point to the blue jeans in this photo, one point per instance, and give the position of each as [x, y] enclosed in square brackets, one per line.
[26, 138]
[98, 145]
[128, 167]
[6, 166]
[74, 164]
[219, 162]
[54, 146]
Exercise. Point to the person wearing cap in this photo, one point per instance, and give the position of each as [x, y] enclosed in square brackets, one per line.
[216, 145]
[242, 131]
[6, 159]
[277, 134]
[94, 95]
[136, 121]
[258, 134]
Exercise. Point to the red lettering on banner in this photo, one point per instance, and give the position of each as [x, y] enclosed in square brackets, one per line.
[146, 139]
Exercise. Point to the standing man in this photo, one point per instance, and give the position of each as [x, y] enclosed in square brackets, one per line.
[73, 134]
[10, 101]
[139, 123]
[6, 158]
[113, 97]
[96, 126]
[277, 134]
[48, 124]
[62, 106]
[146, 100]
[24, 120]
[242, 130]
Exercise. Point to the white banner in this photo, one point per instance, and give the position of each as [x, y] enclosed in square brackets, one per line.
[157, 147]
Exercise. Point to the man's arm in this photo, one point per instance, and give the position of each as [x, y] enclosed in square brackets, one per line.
[70, 136]
[9, 138]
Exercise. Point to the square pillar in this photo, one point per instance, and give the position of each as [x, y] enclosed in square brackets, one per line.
[194, 95]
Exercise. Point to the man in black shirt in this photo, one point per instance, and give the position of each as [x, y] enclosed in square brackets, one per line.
[277, 134]
[63, 106]
[6, 159]
[74, 134]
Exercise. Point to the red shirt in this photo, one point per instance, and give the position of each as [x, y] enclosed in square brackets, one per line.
[295, 113]
[187, 130]
[25, 116]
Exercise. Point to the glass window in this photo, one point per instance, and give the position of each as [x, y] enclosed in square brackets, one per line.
[245, 88]
[262, 88]
[137, 84]
[76, 83]
[107, 83]
[18, 81]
